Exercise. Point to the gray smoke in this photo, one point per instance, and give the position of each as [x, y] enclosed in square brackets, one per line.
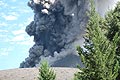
[58, 27]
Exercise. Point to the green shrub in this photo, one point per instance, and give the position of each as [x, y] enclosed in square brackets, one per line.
[45, 73]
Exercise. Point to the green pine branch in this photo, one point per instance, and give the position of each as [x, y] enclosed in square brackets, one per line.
[99, 57]
[45, 73]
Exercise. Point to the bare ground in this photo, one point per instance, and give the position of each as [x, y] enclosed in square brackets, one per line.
[32, 73]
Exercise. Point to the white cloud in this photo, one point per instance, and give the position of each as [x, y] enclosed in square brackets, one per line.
[13, 0]
[4, 38]
[2, 24]
[22, 40]
[10, 17]
[13, 7]
[1, 31]
[3, 4]
[18, 32]
[28, 41]
[5, 51]
[13, 13]
[18, 38]
[25, 11]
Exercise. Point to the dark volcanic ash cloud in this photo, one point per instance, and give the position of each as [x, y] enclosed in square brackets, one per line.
[57, 29]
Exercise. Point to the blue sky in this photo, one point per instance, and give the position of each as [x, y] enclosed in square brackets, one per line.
[15, 15]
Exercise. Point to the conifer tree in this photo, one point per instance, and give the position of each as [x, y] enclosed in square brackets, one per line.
[113, 21]
[99, 55]
[45, 73]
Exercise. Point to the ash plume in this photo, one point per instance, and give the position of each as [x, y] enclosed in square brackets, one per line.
[58, 27]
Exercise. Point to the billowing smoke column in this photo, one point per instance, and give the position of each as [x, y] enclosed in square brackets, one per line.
[57, 29]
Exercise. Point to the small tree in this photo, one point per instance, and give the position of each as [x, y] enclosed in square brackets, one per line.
[99, 56]
[45, 73]
[113, 21]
